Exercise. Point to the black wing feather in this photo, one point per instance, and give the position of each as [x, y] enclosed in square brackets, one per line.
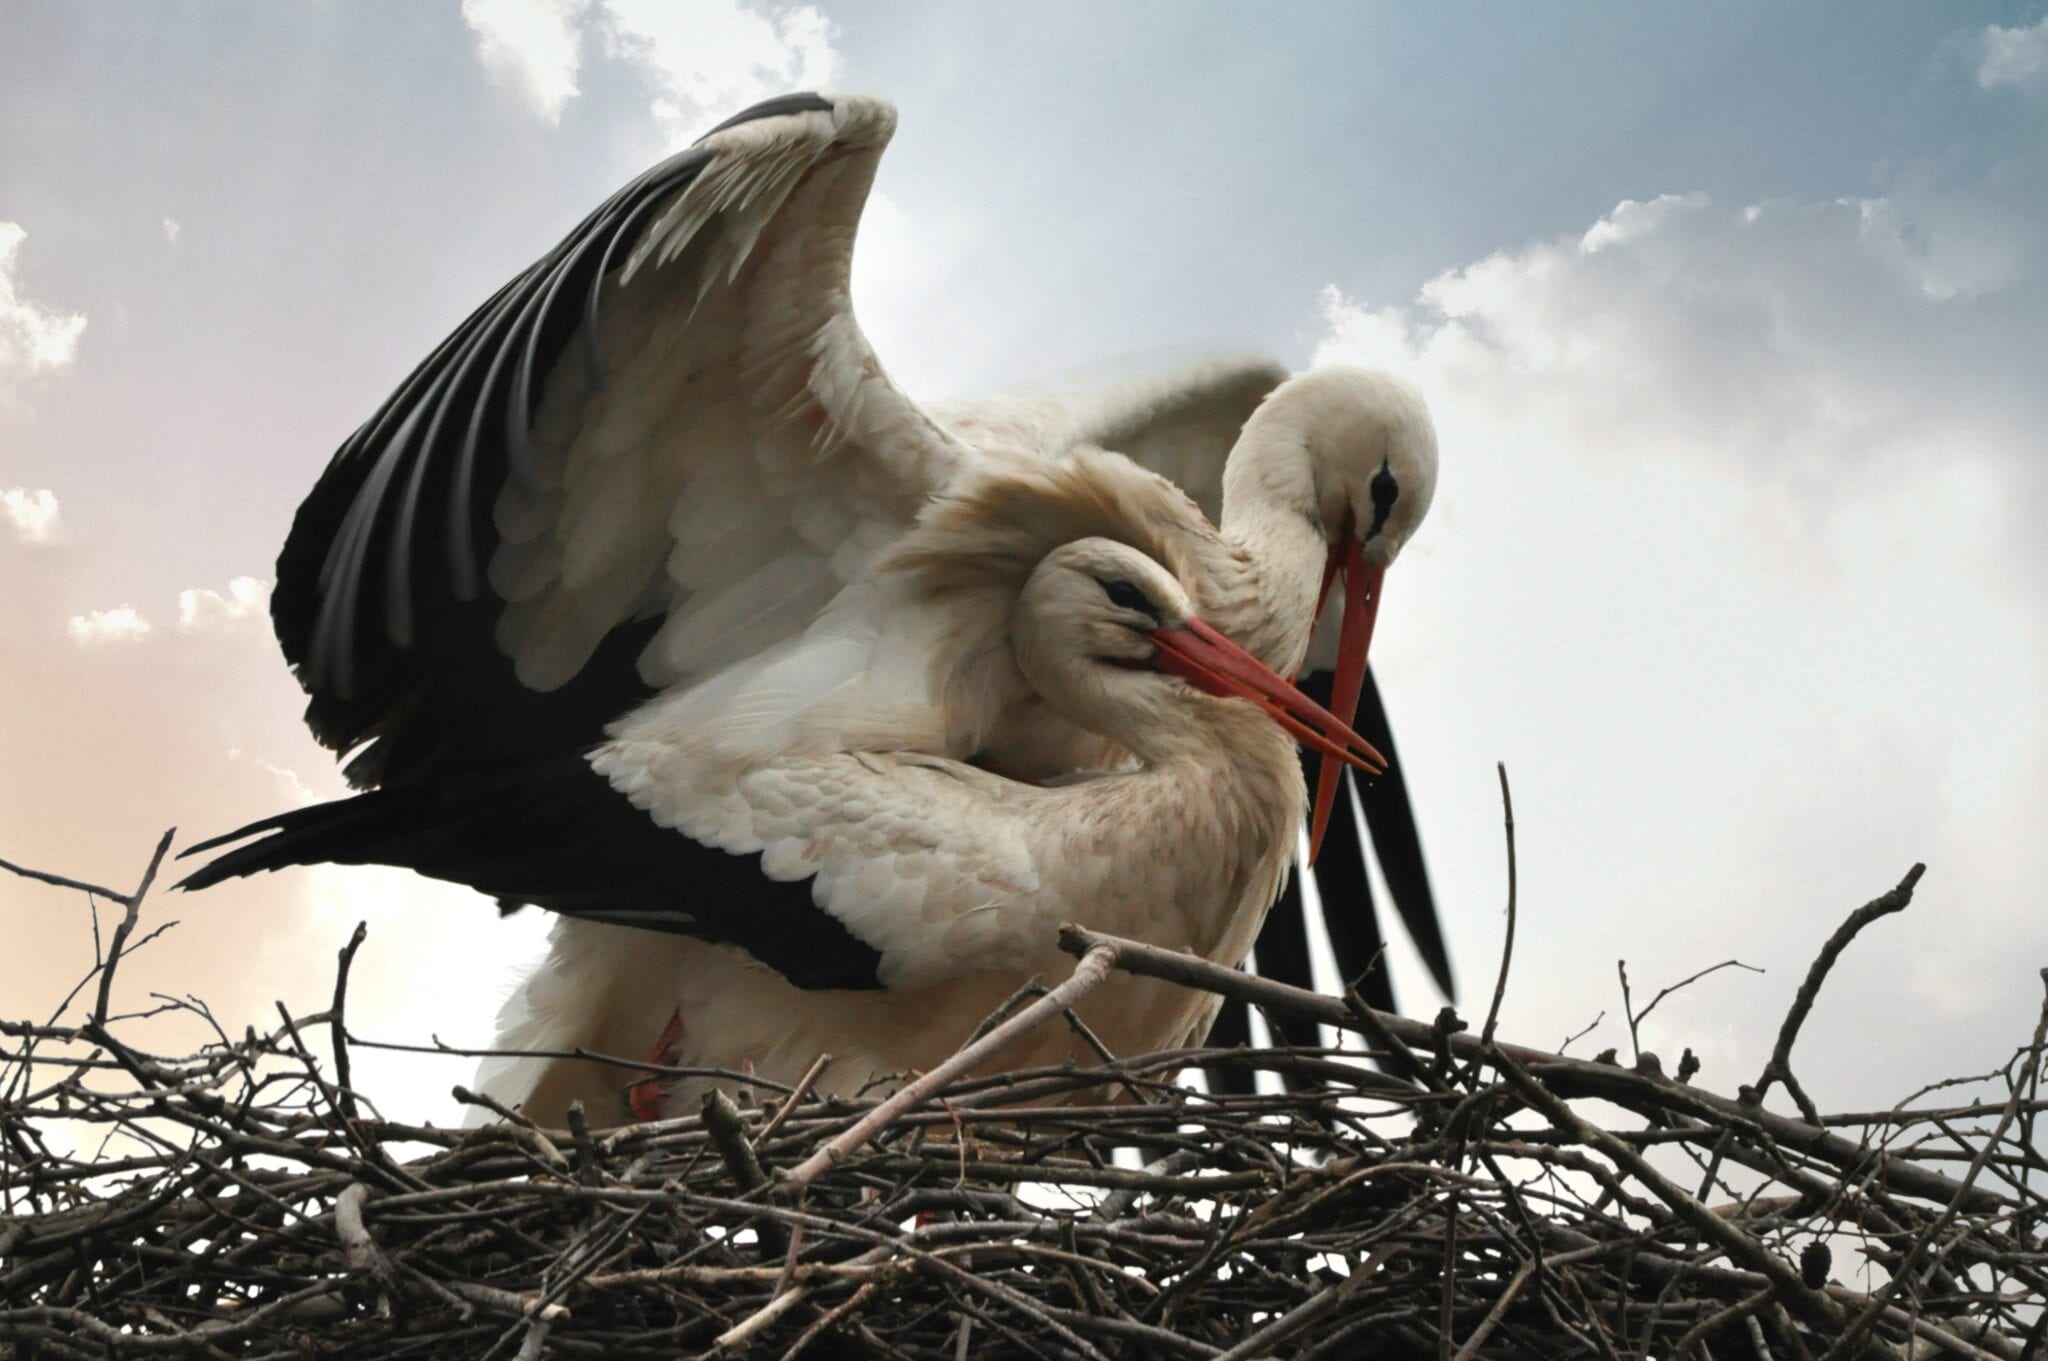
[380, 605]
[1350, 914]
[1283, 954]
[390, 630]
[1397, 845]
[557, 835]
[803, 101]
[381, 609]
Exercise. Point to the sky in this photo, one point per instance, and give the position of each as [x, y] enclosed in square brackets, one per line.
[1734, 321]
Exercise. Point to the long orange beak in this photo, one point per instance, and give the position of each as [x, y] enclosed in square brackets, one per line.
[1362, 586]
[1206, 659]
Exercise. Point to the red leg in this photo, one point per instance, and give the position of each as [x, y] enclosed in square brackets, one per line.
[645, 1097]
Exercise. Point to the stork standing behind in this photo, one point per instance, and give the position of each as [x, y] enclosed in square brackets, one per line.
[663, 453]
[1239, 436]
[959, 877]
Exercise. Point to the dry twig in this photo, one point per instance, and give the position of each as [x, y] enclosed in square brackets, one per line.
[246, 1205]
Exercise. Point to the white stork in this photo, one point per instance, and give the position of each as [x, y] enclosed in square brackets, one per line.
[660, 479]
[957, 877]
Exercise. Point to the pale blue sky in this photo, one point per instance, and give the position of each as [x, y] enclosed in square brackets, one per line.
[349, 176]
[1736, 563]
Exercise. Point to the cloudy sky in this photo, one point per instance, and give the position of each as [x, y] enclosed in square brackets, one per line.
[1735, 323]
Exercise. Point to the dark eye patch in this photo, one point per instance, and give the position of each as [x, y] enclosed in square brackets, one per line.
[1126, 596]
[1385, 491]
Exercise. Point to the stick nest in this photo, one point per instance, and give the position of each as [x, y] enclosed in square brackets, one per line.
[1464, 1198]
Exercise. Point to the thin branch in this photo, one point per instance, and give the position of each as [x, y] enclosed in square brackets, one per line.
[1742, 1248]
[794, 1099]
[337, 1027]
[230, 1201]
[131, 911]
[1578, 1077]
[1507, 949]
[1087, 976]
[59, 881]
[1780, 1065]
[1687, 981]
[1902, 1271]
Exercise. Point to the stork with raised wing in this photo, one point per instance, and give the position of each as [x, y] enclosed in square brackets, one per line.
[661, 471]
[956, 877]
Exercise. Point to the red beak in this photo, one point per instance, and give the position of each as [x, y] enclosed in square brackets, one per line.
[1361, 610]
[1212, 663]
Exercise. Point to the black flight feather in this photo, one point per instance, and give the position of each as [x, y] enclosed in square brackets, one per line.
[382, 610]
[1350, 916]
[557, 835]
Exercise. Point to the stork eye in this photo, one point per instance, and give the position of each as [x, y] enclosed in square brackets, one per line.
[1125, 596]
[1385, 491]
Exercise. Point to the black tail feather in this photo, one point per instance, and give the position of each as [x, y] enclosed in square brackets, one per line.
[326, 832]
[558, 836]
[1350, 915]
[1397, 845]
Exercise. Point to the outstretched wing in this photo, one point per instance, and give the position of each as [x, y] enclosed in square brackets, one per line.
[1183, 424]
[660, 448]
[1180, 423]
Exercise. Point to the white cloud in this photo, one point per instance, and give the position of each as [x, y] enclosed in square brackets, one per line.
[171, 230]
[32, 513]
[107, 746]
[1801, 337]
[1948, 245]
[290, 785]
[1734, 564]
[1632, 221]
[2012, 56]
[704, 60]
[204, 611]
[33, 338]
[122, 624]
[533, 44]
[199, 611]
[713, 59]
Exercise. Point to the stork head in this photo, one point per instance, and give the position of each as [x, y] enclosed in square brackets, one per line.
[1109, 637]
[1353, 451]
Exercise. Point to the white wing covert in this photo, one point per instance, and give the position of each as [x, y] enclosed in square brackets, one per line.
[925, 859]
